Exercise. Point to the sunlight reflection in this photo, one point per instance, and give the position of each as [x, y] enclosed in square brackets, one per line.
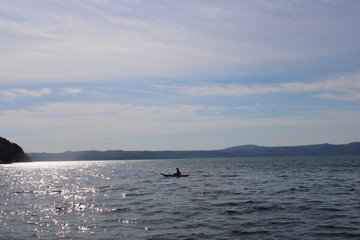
[64, 197]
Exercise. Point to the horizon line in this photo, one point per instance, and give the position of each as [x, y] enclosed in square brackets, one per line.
[73, 151]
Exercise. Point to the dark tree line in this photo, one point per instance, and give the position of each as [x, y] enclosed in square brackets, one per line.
[11, 152]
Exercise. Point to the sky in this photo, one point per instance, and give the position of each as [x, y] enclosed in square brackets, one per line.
[178, 75]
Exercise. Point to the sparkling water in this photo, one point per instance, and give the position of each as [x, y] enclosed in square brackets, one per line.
[242, 198]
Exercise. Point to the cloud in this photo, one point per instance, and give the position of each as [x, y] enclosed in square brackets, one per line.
[75, 114]
[111, 110]
[98, 40]
[127, 114]
[75, 126]
[12, 94]
[158, 49]
[60, 126]
[80, 108]
[345, 96]
[84, 121]
[348, 86]
[73, 91]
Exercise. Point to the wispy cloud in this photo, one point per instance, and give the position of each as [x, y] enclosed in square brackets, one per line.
[74, 91]
[94, 40]
[131, 69]
[106, 120]
[128, 110]
[349, 86]
[12, 94]
[345, 96]
[87, 125]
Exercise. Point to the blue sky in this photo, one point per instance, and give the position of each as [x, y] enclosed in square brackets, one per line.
[179, 75]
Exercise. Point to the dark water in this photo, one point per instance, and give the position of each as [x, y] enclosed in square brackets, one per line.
[246, 198]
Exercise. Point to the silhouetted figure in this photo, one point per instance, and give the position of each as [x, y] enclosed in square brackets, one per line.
[178, 173]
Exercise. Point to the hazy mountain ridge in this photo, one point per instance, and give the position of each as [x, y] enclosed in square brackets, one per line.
[238, 151]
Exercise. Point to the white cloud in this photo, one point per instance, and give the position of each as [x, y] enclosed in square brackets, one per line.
[86, 121]
[12, 94]
[89, 41]
[228, 90]
[348, 86]
[73, 91]
[345, 96]
[75, 126]
[172, 42]
[76, 108]
[67, 109]
[74, 114]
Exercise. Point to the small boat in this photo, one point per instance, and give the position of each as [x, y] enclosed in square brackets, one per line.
[174, 175]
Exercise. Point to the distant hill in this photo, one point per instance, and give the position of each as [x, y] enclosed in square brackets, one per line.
[307, 150]
[243, 148]
[11, 152]
[239, 151]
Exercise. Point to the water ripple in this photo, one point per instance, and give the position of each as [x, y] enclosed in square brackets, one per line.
[257, 198]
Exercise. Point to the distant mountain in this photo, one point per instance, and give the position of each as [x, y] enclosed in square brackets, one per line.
[11, 152]
[243, 148]
[238, 151]
[307, 150]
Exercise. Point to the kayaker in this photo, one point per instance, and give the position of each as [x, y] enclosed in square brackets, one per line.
[178, 173]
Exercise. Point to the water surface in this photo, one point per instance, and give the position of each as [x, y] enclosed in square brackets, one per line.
[244, 198]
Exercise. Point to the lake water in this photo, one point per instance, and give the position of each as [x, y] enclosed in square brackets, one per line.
[244, 198]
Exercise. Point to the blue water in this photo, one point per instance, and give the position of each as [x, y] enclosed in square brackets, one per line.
[245, 198]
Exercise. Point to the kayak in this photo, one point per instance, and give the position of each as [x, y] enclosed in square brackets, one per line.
[174, 175]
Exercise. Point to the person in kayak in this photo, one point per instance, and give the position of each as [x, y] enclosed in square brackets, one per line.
[178, 173]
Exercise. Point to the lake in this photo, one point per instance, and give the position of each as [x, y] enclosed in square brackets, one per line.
[237, 198]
